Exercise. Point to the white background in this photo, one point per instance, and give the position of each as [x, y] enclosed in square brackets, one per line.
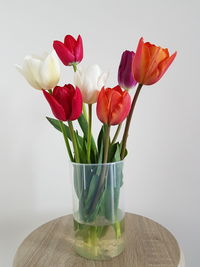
[162, 177]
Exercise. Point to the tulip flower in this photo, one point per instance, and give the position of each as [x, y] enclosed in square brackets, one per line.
[125, 75]
[65, 102]
[41, 72]
[90, 80]
[150, 63]
[71, 51]
[113, 105]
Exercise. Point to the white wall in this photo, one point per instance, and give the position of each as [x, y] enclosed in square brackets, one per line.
[163, 162]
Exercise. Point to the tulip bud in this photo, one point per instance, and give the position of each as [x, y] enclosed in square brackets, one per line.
[71, 51]
[90, 80]
[113, 105]
[150, 63]
[125, 76]
[41, 72]
[65, 102]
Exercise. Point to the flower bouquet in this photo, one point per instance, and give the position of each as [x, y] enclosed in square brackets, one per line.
[96, 163]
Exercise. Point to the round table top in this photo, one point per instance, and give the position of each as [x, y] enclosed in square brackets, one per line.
[148, 244]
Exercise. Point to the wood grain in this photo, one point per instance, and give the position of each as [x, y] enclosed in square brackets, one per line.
[148, 244]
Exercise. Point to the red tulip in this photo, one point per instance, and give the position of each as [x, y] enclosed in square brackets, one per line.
[65, 102]
[71, 51]
[150, 63]
[113, 105]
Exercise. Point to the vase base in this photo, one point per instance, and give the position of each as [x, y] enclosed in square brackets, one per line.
[102, 242]
[106, 254]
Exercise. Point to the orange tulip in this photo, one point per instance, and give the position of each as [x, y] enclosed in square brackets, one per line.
[150, 63]
[113, 105]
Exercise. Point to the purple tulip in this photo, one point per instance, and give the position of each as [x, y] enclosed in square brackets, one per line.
[125, 76]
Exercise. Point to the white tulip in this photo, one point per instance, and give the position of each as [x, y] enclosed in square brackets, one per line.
[41, 72]
[90, 80]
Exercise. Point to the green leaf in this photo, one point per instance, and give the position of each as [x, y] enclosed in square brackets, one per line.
[117, 156]
[112, 190]
[83, 124]
[100, 138]
[92, 215]
[79, 138]
[56, 124]
[81, 147]
[114, 153]
[92, 189]
[100, 156]
[84, 127]
[78, 181]
[126, 151]
[111, 153]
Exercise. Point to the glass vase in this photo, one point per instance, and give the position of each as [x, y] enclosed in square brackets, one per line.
[98, 210]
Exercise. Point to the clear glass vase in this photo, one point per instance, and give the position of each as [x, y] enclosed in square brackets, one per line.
[98, 209]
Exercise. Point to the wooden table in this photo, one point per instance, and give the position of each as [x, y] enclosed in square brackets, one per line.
[148, 244]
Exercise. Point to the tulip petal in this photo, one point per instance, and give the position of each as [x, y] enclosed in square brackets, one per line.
[90, 81]
[64, 97]
[30, 71]
[78, 77]
[32, 65]
[93, 97]
[164, 65]
[115, 100]
[93, 73]
[118, 89]
[113, 105]
[76, 105]
[28, 77]
[79, 49]
[160, 70]
[63, 53]
[102, 80]
[120, 107]
[126, 105]
[56, 108]
[90, 78]
[128, 77]
[102, 106]
[70, 43]
[50, 71]
[141, 61]
[157, 55]
[150, 63]
[125, 75]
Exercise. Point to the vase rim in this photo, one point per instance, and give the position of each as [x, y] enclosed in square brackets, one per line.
[95, 164]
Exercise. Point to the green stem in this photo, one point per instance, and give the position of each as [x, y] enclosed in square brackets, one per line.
[62, 127]
[94, 240]
[76, 153]
[84, 127]
[128, 121]
[106, 143]
[103, 171]
[116, 133]
[89, 132]
[117, 228]
[50, 91]
[74, 65]
[85, 112]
